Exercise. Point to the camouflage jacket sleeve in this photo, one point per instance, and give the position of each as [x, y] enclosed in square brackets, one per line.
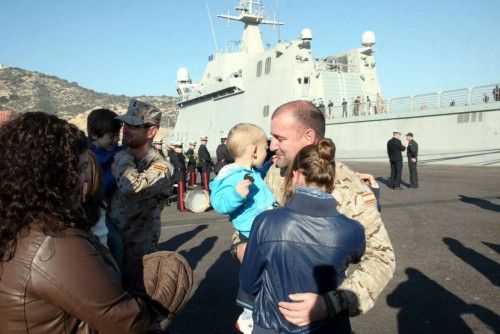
[363, 285]
[130, 181]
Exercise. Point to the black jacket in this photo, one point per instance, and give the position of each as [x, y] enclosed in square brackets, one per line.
[205, 158]
[305, 246]
[224, 157]
[412, 151]
[394, 149]
[191, 160]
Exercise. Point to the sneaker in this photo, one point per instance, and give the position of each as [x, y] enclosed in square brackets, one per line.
[245, 322]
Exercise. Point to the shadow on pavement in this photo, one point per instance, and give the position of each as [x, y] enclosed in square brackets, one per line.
[195, 254]
[495, 247]
[484, 265]
[427, 307]
[212, 308]
[482, 203]
[174, 243]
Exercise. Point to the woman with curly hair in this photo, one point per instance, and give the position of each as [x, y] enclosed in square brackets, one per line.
[304, 246]
[55, 276]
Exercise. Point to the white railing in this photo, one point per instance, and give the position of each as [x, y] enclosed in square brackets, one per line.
[443, 101]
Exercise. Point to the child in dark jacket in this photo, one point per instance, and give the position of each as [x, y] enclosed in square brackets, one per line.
[104, 131]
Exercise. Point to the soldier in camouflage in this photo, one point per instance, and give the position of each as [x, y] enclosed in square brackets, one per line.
[295, 125]
[144, 179]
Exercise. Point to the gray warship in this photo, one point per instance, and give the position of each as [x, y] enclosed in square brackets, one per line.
[459, 126]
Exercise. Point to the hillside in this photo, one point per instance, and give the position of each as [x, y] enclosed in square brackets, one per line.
[23, 91]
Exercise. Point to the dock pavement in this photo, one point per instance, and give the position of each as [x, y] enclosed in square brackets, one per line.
[446, 236]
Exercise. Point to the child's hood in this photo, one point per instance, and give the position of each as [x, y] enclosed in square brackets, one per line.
[232, 171]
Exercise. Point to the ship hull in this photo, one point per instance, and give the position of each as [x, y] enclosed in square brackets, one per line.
[456, 136]
[467, 135]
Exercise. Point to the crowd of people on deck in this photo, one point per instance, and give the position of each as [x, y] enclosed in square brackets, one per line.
[80, 224]
[359, 106]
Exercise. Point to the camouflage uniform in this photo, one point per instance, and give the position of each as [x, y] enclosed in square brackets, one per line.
[355, 200]
[143, 189]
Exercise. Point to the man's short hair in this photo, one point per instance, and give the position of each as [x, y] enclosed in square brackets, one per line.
[306, 114]
[243, 135]
[102, 121]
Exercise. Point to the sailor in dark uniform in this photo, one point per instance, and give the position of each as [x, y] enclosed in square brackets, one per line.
[205, 162]
[412, 153]
[178, 160]
[223, 155]
[191, 163]
[394, 149]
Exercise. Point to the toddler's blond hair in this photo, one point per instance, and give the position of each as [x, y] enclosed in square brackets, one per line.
[243, 135]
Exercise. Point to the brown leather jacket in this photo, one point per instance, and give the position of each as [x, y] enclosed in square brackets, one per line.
[67, 284]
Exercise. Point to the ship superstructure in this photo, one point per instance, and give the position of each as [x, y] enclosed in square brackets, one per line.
[249, 84]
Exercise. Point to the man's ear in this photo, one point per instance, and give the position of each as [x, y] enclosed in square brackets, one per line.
[310, 136]
[151, 132]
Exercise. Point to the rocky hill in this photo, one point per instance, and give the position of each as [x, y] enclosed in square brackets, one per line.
[23, 91]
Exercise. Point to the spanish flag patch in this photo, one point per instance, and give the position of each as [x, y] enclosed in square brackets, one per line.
[159, 167]
[369, 198]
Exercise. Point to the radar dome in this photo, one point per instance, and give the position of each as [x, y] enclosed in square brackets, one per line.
[183, 75]
[306, 34]
[368, 38]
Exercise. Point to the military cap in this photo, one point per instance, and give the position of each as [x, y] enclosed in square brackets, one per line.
[177, 144]
[204, 138]
[140, 113]
[396, 131]
[192, 143]
[158, 141]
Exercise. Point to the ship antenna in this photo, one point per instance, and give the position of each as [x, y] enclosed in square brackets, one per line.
[212, 27]
[278, 19]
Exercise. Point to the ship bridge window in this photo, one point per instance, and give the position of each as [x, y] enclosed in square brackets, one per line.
[268, 65]
[265, 112]
[306, 80]
[259, 68]
[299, 80]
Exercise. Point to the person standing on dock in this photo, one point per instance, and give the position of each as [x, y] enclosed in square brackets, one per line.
[143, 179]
[191, 163]
[205, 162]
[223, 155]
[394, 149]
[179, 163]
[412, 153]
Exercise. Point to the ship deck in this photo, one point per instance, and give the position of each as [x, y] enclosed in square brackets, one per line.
[446, 239]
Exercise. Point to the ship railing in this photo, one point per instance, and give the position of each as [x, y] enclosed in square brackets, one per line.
[444, 101]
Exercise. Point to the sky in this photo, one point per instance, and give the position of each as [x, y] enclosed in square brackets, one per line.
[135, 47]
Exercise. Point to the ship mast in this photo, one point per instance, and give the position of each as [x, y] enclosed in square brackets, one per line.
[251, 13]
